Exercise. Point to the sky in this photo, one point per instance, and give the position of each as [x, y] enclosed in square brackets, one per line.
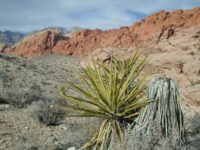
[29, 15]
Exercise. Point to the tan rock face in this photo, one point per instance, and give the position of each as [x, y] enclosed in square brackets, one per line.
[85, 41]
[177, 57]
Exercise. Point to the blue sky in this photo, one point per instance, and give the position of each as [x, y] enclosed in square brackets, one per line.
[28, 15]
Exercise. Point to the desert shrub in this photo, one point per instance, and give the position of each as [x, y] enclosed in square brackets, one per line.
[193, 130]
[45, 112]
[7, 57]
[21, 98]
[114, 93]
[3, 101]
[195, 122]
[3, 75]
[153, 140]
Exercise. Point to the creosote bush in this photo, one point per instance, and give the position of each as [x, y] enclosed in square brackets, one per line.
[45, 112]
[114, 93]
[21, 98]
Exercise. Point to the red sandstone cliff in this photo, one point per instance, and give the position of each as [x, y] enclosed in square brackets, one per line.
[87, 40]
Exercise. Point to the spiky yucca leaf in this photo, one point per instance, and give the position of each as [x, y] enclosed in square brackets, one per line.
[114, 93]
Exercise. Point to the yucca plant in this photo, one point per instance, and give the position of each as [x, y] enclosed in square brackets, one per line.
[165, 108]
[113, 92]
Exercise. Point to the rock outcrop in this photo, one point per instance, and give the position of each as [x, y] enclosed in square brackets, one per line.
[87, 40]
[37, 44]
[177, 57]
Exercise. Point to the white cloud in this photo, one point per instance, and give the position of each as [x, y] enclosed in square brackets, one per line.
[27, 15]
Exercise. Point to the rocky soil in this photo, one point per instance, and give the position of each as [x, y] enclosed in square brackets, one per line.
[20, 131]
[47, 72]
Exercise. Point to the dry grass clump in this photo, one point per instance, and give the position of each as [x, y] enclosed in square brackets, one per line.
[153, 140]
[45, 112]
[19, 97]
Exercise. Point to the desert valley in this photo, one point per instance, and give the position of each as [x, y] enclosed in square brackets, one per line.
[34, 66]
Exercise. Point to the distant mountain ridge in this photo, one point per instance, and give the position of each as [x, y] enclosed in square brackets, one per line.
[9, 37]
[87, 40]
[61, 30]
[50, 36]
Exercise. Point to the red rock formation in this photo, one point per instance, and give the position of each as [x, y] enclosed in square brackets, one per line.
[166, 20]
[38, 44]
[87, 40]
